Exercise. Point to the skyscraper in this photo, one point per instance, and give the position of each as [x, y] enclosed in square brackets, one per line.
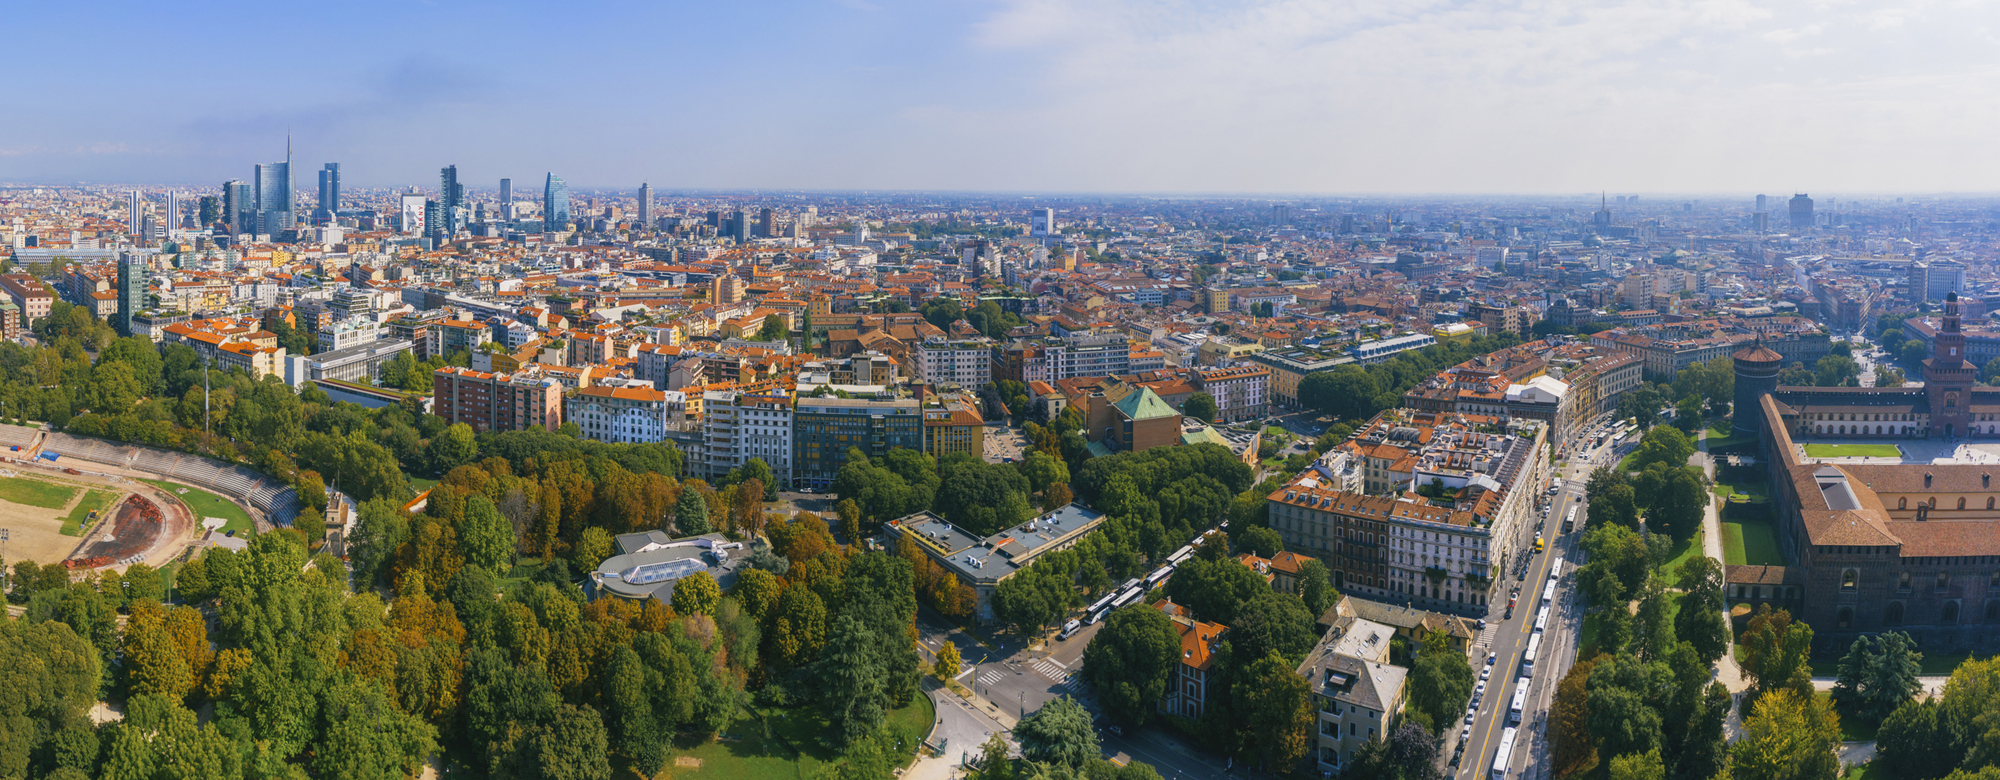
[506, 193]
[173, 210]
[1281, 215]
[645, 205]
[274, 197]
[1802, 212]
[239, 208]
[739, 226]
[555, 204]
[329, 192]
[1042, 222]
[1761, 204]
[131, 292]
[132, 213]
[767, 224]
[451, 200]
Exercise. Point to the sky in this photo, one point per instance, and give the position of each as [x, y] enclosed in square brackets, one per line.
[1050, 96]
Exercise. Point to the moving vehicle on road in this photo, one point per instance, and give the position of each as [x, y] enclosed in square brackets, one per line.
[1070, 629]
[1528, 660]
[1569, 520]
[1520, 701]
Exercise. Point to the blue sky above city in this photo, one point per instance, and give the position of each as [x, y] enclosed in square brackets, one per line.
[1364, 96]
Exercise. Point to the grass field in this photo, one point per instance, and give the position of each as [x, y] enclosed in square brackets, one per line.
[1750, 544]
[1722, 435]
[36, 493]
[1682, 551]
[92, 500]
[1853, 451]
[206, 504]
[1867, 771]
[793, 748]
[1726, 485]
[420, 484]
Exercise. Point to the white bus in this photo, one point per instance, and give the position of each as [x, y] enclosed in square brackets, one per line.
[1520, 701]
[1504, 755]
[1569, 520]
[1159, 575]
[1549, 592]
[1528, 658]
[1556, 566]
[1542, 620]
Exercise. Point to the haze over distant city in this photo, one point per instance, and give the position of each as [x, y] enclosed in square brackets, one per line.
[1031, 95]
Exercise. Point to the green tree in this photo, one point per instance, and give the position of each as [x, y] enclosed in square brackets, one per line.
[592, 548]
[1347, 392]
[1215, 590]
[1275, 705]
[1663, 445]
[691, 513]
[697, 594]
[1060, 732]
[993, 763]
[1272, 622]
[114, 387]
[1796, 375]
[1128, 661]
[451, 449]
[1775, 652]
[486, 538]
[1570, 739]
[1699, 622]
[1200, 406]
[1788, 736]
[1916, 742]
[1639, 766]
[774, 329]
[1043, 470]
[1257, 540]
[1878, 674]
[368, 738]
[1687, 414]
[1835, 371]
[1621, 714]
[1440, 681]
[1316, 587]
[1676, 498]
[1612, 499]
[1913, 353]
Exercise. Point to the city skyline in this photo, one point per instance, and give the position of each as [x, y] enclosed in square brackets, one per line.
[1268, 97]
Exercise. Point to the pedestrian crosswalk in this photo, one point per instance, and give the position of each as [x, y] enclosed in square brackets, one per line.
[989, 677]
[1486, 635]
[1055, 672]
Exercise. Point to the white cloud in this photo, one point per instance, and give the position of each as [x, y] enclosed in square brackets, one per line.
[1426, 95]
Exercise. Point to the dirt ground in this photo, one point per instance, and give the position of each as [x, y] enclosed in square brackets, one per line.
[35, 533]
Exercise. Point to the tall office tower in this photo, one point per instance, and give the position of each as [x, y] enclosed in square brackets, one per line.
[329, 192]
[645, 205]
[207, 211]
[1042, 222]
[131, 292]
[133, 215]
[1802, 212]
[274, 197]
[451, 199]
[739, 226]
[239, 207]
[1281, 214]
[767, 224]
[173, 219]
[555, 204]
[506, 194]
[1761, 204]
[437, 227]
[810, 218]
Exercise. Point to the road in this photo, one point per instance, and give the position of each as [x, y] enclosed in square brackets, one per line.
[1508, 639]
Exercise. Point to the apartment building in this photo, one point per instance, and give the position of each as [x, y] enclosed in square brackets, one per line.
[28, 293]
[966, 363]
[1441, 553]
[739, 425]
[951, 425]
[1189, 682]
[495, 402]
[1357, 694]
[1239, 392]
[624, 412]
[826, 427]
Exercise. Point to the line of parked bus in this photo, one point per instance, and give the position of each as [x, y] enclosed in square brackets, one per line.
[1504, 755]
[1130, 591]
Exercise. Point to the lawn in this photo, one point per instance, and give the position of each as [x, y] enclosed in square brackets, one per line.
[1722, 435]
[1750, 544]
[1586, 639]
[1682, 551]
[34, 492]
[1726, 485]
[92, 500]
[205, 505]
[420, 484]
[780, 743]
[1867, 771]
[1853, 451]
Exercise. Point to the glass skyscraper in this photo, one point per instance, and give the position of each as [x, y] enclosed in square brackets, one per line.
[555, 204]
[451, 200]
[274, 196]
[239, 208]
[329, 192]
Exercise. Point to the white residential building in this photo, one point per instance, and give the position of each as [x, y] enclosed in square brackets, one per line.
[967, 364]
[738, 426]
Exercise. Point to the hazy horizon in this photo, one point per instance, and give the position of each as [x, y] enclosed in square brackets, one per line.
[1363, 99]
